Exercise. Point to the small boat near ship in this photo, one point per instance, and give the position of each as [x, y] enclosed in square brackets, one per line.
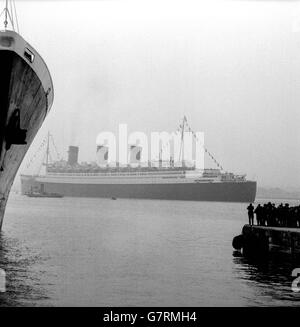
[36, 194]
[26, 97]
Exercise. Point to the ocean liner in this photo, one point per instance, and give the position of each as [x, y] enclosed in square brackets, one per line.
[26, 96]
[170, 182]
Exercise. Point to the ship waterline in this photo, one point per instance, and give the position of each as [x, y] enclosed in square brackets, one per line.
[163, 188]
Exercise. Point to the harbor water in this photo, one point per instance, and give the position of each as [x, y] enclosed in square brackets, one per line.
[100, 252]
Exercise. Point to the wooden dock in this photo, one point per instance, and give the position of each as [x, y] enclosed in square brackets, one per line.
[265, 239]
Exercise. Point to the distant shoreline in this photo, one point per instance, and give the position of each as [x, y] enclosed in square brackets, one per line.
[276, 198]
[276, 193]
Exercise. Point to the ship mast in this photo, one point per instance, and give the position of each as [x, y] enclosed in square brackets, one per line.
[10, 15]
[6, 12]
[182, 140]
[45, 146]
[47, 151]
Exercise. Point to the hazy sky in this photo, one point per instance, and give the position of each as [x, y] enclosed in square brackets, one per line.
[232, 67]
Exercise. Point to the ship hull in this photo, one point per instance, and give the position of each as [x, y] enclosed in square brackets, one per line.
[218, 191]
[22, 90]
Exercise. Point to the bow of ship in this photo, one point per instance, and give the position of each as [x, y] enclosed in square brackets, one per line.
[26, 96]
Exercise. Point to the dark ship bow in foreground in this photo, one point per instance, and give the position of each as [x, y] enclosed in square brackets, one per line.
[26, 96]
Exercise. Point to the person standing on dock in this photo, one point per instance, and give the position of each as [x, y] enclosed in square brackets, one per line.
[258, 212]
[298, 217]
[286, 215]
[250, 209]
[280, 213]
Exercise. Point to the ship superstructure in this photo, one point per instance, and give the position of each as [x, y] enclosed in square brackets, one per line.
[150, 181]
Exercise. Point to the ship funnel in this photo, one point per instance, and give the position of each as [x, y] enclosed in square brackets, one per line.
[102, 155]
[135, 154]
[73, 155]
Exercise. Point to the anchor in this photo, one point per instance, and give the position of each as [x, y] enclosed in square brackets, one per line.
[14, 133]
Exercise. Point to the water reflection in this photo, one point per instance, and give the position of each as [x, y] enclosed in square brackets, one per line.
[270, 277]
[79, 252]
[23, 285]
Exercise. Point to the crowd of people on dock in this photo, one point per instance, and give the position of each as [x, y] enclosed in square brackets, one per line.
[270, 215]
